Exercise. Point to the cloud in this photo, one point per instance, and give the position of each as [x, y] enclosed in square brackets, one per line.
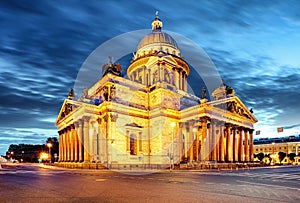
[44, 45]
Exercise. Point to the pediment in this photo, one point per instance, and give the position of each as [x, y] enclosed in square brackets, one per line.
[165, 57]
[67, 108]
[236, 106]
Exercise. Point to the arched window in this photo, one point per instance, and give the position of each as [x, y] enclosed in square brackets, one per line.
[133, 144]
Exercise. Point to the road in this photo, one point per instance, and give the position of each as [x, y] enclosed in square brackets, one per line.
[31, 183]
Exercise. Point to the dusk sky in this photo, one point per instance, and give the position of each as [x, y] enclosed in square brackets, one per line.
[255, 46]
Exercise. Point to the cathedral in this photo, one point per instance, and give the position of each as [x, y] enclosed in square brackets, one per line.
[151, 118]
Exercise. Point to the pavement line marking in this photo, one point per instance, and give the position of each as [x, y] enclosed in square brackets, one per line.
[100, 180]
[225, 184]
[263, 184]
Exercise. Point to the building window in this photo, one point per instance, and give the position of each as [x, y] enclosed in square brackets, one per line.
[127, 141]
[140, 142]
[133, 144]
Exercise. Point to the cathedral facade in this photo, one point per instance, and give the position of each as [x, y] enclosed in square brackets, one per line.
[150, 118]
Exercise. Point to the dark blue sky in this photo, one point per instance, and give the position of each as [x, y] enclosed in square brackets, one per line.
[255, 46]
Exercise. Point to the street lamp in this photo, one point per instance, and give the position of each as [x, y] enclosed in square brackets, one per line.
[173, 124]
[195, 138]
[49, 145]
[273, 143]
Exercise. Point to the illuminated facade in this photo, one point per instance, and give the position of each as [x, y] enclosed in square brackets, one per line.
[275, 145]
[150, 118]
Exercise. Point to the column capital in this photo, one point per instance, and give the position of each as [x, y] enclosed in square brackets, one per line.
[228, 125]
[99, 120]
[77, 123]
[246, 130]
[105, 118]
[251, 131]
[204, 119]
[234, 127]
[72, 126]
[86, 118]
[240, 128]
[219, 123]
[213, 121]
[114, 117]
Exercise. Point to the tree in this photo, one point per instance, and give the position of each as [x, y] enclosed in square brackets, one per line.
[281, 156]
[292, 156]
[260, 156]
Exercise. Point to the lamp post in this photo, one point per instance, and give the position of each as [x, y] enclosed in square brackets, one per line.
[273, 143]
[173, 124]
[49, 145]
[195, 138]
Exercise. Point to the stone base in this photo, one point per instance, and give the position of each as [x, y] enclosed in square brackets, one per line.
[219, 166]
[208, 165]
[80, 165]
[113, 166]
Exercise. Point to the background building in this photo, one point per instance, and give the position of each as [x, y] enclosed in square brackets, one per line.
[150, 118]
[276, 149]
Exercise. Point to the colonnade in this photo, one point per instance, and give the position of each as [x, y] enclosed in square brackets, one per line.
[73, 140]
[215, 141]
[207, 140]
[86, 141]
[177, 76]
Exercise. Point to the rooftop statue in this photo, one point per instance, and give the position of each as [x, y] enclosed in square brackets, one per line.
[115, 69]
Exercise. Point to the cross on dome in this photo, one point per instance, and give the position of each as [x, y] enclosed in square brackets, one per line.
[156, 24]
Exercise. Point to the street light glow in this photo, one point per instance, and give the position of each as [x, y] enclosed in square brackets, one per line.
[44, 156]
[49, 145]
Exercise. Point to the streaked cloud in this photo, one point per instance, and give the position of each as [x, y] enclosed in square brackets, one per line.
[254, 45]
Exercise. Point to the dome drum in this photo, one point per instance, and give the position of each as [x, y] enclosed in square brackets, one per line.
[158, 60]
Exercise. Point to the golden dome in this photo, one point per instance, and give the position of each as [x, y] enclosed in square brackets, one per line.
[157, 37]
[157, 41]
